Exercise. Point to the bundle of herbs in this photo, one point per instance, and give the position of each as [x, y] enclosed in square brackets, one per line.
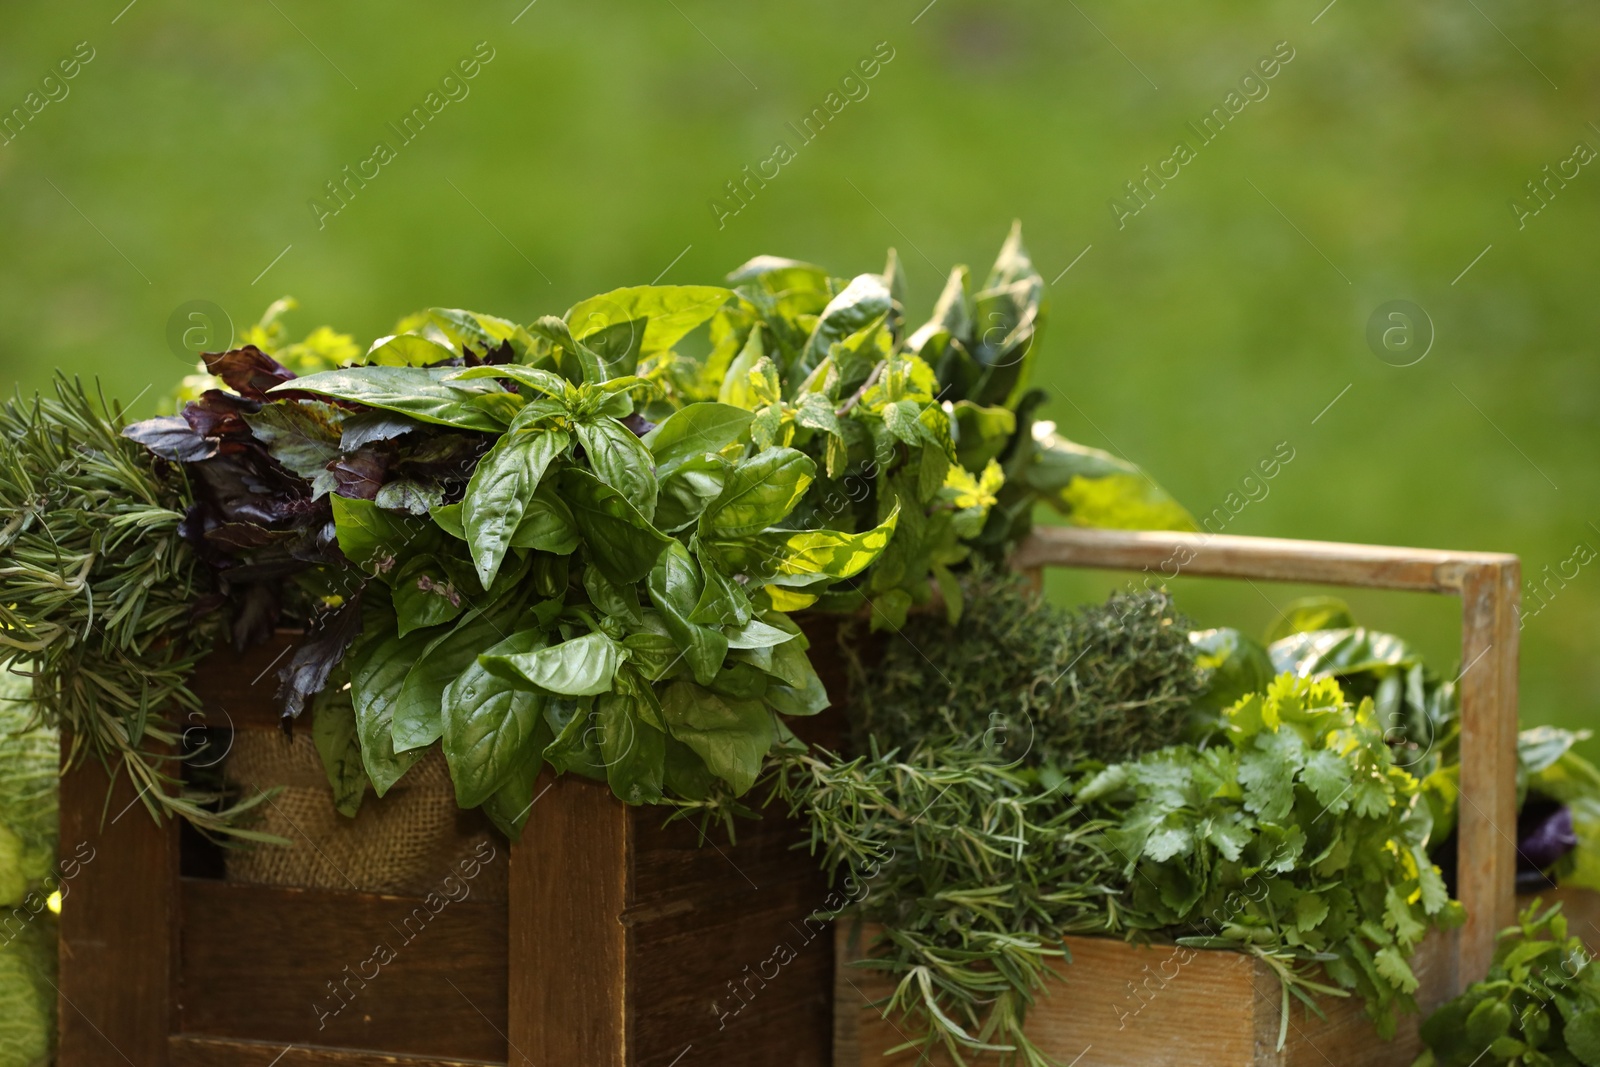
[1287, 831]
[1045, 685]
[102, 599]
[574, 542]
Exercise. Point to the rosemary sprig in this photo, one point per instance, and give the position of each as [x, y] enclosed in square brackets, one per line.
[96, 596]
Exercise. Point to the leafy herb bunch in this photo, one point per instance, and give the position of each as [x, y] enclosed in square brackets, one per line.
[1539, 1006]
[965, 739]
[1298, 840]
[571, 542]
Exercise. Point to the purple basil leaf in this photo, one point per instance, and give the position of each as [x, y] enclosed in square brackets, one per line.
[360, 475]
[248, 371]
[307, 672]
[171, 438]
[219, 414]
[1545, 835]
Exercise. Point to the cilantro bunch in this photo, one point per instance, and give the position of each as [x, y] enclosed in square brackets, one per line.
[1539, 1006]
[1297, 840]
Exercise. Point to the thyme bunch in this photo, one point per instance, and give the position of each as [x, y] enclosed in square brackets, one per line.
[1045, 684]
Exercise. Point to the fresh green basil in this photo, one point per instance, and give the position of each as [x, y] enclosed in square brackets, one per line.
[583, 666]
[498, 494]
[758, 492]
[619, 539]
[490, 724]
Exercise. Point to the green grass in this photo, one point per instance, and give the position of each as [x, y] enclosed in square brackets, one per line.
[1222, 320]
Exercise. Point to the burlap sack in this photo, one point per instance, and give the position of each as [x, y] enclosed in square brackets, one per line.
[406, 842]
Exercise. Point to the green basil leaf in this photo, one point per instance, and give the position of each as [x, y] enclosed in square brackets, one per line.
[759, 492]
[620, 541]
[803, 558]
[497, 495]
[736, 388]
[802, 692]
[303, 435]
[577, 363]
[864, 299]
[448, 516]
[981, 433]
[576, 746]
[483, 332]
[418, 717]
[757, 634]
[378, 672]
[672, 312]
[491, 724]
[731, 736]
[333, 731]
[374, 539]
[686, 492]
[696, 430]
[508, 806]
[633, 750]
[618, 601]
[424, 595]
[583, 666]
[686, 773]
[616, 455]
[653, 655]
[421, 392]
[675, 587]
[547, 523]
[543, 380]
[407, 350]
[740, 681]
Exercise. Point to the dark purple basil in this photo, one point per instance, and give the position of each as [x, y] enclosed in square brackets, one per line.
[1544, 834]
[248, 371]
[307, 671]
[172, 438]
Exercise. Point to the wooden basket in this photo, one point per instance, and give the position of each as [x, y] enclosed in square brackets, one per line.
[1222, 1009]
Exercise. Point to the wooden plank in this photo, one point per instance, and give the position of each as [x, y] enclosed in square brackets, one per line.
[186, 1050]
[344, 969]
[1166, 555]
[1122, 1005]
[721, 958]
[117, 923]
[569, 881]
[1486, 862]
[239, 689]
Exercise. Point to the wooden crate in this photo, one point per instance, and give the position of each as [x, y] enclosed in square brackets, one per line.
[1121, 1005]
[1222, 1009]
[620, 944]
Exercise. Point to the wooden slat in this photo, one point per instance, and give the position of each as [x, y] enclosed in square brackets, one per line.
[722, 965]
[302, 966]
[1120, 1005]
[187, 1050]
[569, 877]
[1167, 555]
[117, 923]
[239, 689]
[1486, 862]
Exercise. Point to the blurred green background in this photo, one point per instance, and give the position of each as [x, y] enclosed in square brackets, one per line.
[1222, 320]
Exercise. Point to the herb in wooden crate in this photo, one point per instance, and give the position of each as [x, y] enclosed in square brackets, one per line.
[1539, 1006]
